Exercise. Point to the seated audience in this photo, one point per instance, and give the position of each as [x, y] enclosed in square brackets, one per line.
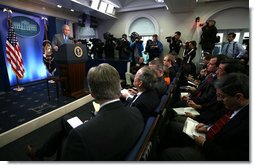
[160, 85]
[168, 62]
[227, 139]
[107, 136]
[146, 98]
[213, 110]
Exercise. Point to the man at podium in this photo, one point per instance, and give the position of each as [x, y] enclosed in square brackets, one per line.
[62, 38]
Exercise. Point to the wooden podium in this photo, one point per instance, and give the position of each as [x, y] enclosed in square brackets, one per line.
[70, 62]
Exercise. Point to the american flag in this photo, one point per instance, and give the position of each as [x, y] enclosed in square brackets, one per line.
[13, 53]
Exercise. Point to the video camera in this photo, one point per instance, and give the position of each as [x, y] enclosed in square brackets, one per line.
[169, 39]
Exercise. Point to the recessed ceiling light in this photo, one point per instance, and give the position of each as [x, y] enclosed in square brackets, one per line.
[160, 1]
[72, 10]
[59, 6]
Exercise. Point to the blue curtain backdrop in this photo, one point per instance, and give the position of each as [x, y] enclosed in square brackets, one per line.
[31, 50]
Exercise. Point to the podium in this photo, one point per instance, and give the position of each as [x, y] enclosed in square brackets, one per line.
[70, 62]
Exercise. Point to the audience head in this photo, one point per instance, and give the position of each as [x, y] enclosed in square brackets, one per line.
[66, 30]
[141, 60]
[233, 90]
[206, 56]
[214, 63]
[157, 66]
[168, 60]
[229, 66]
[104, 82]
[144, 79]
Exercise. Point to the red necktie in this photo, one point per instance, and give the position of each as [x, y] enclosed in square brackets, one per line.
[208, 80]
[218, 125]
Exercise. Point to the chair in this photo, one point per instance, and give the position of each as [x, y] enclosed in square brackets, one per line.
[149, 147]
[162, 105]
[136, 150]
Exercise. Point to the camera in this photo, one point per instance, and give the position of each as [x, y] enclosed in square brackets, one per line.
[108, 36]
[169, 39]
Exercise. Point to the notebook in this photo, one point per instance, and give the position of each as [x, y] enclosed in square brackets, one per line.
[189, 128]
[74, 122]
[182, 110]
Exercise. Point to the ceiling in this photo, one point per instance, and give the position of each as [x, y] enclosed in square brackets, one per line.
[83, 6]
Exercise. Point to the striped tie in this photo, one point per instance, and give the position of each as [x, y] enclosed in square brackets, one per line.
[218, 125]
[226, 52]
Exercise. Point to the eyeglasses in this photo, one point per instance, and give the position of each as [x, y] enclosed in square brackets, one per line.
[211, 64]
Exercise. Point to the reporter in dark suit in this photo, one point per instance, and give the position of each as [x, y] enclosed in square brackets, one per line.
[114, 129]
[230, 141]
[147, 98]
[62, 38]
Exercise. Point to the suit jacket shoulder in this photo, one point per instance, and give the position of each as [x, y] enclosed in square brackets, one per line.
[147, 103]
[232, 142]
[108, 136]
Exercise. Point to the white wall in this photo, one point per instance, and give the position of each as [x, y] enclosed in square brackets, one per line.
[230, 15]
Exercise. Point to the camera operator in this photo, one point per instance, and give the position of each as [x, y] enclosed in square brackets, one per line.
[97, 48]
[174, 43]
[154, 48]
[123, 46]
[208, 37]
[189, 54]
[109, 47]
[136, 47]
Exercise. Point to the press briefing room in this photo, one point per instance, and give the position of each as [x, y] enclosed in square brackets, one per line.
[164, 81]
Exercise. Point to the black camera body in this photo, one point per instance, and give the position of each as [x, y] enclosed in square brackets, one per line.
[169, 39]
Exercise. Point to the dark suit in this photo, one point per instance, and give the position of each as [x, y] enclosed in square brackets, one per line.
[205, 92]
[58, 40]
[232, 142]
[147, 103]
[108, 136]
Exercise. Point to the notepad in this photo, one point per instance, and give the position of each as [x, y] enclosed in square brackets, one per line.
[184, 94]
[74, 122]
[191, 83]
[182, 110]
[189, 128]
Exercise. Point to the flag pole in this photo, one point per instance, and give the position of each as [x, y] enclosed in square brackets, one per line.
[19, 88]
[47, 51]
[9, 12]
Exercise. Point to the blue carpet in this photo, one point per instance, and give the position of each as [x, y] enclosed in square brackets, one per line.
[20, 107]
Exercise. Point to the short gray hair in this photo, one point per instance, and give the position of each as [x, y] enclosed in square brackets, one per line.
[65, 25]
[148, 78]
[104, 82]
[234, 83]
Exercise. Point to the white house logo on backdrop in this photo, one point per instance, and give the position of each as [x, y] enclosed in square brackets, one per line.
[25, 26]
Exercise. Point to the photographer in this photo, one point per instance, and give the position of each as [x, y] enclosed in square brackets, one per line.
[123, 46]
[97, 48]
[174, 43]
[136, 47]
[110, 44]
[154, 48]
[208, 37]
[189, 54]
